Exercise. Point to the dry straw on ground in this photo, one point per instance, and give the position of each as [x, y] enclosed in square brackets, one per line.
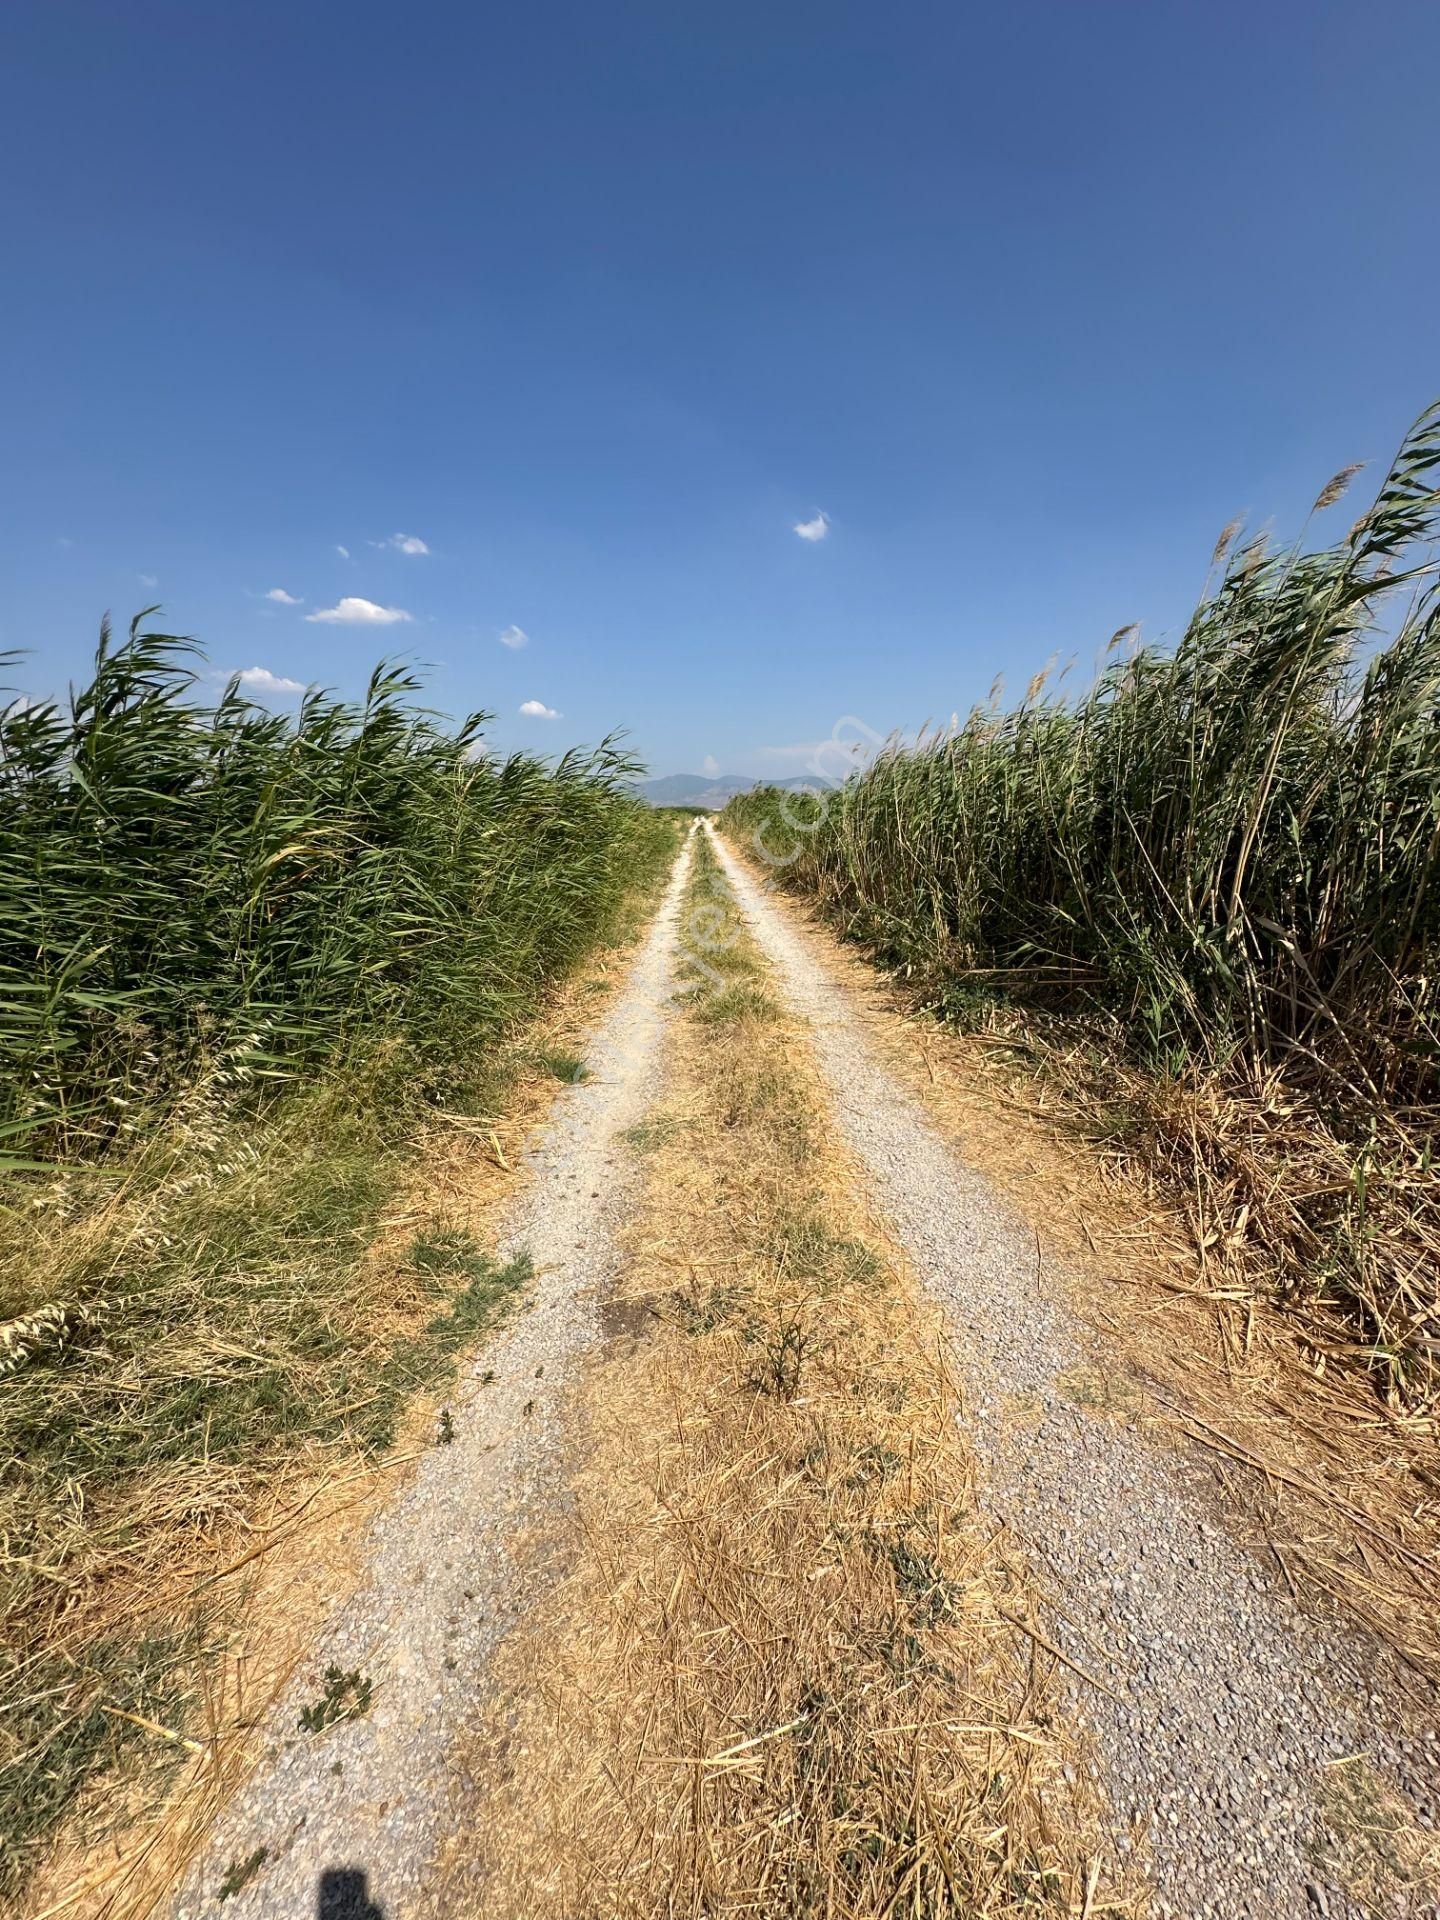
[790, 1671]
[1339, 1484]
[247, 1557]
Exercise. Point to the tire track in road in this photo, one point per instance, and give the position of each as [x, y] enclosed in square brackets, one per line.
[1229, 1701]
[370, 1798]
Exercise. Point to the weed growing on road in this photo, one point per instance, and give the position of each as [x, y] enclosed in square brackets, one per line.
[240, 1873]
[565, 1066]
[657, 1131]
[347, 1696]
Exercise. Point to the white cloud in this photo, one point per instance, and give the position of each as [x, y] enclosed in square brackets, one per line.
[148, 580]
[815, 529]
[537, 710]
[354, 612]
[344, 552]
[710, 765]
[261, 680]
[282, 598]
[402, 543]
[515, 637]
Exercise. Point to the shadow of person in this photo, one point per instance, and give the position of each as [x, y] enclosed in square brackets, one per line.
[344, 1895]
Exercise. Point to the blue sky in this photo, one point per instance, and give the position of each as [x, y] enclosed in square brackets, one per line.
[600, 303]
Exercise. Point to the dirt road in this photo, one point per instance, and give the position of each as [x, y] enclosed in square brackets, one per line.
[1216, 1718]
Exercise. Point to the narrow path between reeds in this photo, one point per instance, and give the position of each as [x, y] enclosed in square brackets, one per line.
[1252, 1751]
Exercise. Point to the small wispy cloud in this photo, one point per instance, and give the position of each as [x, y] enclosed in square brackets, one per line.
[402, 543]
[515, 637]
[282, 598]
[537, 710]
[710, 765]
[262, 680]
[352, 611]
[815, 529]
[148, 579]
[344, 552]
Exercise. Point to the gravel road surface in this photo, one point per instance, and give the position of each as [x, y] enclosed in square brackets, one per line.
[350, 1817]
[1230, 1701]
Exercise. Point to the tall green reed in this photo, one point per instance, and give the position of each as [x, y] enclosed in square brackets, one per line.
[1233, 844]
[181, 877]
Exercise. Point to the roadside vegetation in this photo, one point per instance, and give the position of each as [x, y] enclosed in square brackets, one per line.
[1204, 898]
[183, 884]
[790, 1655]
[248, 964]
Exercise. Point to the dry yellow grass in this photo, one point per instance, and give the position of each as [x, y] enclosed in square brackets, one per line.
[253, 1561]
[1340, 1486]
[791, 1670]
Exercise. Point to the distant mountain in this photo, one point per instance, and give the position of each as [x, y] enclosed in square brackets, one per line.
[705, 790]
